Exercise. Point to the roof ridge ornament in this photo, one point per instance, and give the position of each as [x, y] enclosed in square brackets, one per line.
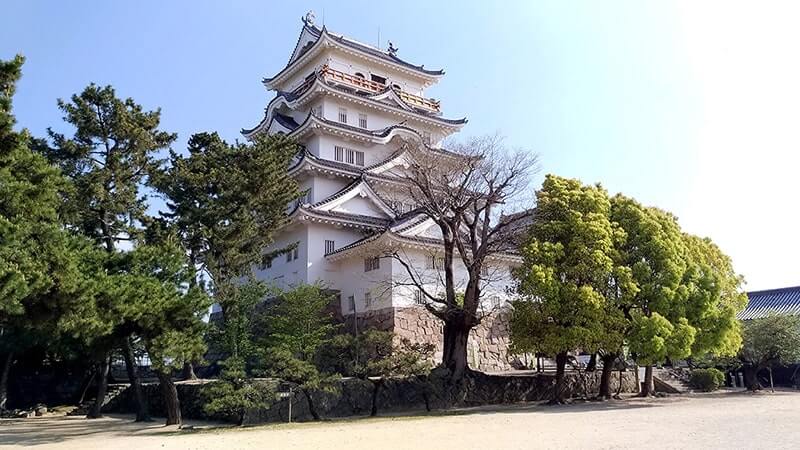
[392, 51]
[308, 19]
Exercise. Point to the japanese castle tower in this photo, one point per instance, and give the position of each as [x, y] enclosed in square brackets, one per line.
[352, 107]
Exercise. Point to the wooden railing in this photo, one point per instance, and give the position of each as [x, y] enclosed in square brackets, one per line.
[363, 84]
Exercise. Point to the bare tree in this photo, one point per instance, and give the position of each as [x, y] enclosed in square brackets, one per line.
[476, 194]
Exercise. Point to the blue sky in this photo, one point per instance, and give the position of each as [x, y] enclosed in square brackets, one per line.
[690, 106]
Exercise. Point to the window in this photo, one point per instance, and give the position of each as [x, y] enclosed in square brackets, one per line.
[419, 297]
[343, 115]
[378, 79]
[362, 121]
[330, 246]
[367, 299]
[496, 301]
[338, 153]
[484, 270]
[351, 303]
[371, 264]
[432, 262]
[317, 110]
[354, 157]
[293, 254]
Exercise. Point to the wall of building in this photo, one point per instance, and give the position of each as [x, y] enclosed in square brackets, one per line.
[285, 274]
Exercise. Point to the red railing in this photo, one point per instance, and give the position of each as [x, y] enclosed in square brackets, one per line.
[359, 83]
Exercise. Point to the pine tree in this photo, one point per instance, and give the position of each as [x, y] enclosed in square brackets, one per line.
[108, 158]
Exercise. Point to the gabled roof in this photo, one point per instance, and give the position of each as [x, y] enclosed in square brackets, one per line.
[359, 187]
[317, 37]
[784, 301]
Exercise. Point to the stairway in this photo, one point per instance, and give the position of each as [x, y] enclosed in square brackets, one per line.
[671, 381]
[112, 392]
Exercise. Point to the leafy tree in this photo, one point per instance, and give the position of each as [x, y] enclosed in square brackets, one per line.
[297, 326]
[654, 251]
[108, 158]
[39, 263]
[565, 274]
[769, 342]
[234, 393]
[687, 293]
[227, 201]
[376, 355]
[165, 312]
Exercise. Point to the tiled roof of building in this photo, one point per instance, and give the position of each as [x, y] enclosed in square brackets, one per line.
[785, 302]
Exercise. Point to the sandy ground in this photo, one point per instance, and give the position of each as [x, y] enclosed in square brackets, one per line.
[729, 420]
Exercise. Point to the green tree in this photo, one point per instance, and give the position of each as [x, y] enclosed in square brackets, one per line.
[375, 356]
[566, 270]
[769, 342]
[227, 201]
[108, 158]
[686, 292]
[165, 312]
[654, 251]
[39, 264]
[296, 327]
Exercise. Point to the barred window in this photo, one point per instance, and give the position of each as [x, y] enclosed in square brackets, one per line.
[371, 264]
[351, 303]
[354, 157]
[362, 121]
[367, 299]
[329, 246]
[419, 297]
[338, 153]
[343, 115]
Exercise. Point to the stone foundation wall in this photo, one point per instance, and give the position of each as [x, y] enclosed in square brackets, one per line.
[488, 342]
[353, 397]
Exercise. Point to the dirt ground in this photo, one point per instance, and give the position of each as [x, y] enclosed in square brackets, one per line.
[730, 420]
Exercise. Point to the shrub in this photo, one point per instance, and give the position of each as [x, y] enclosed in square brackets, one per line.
[707, 380]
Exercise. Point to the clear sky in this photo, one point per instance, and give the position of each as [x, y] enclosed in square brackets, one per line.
[690, 106]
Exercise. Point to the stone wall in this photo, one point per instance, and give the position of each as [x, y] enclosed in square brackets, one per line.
[488, 342]
[353, 397]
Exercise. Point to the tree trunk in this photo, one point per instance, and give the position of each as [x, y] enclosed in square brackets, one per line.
[591, 366]
[558, 390]
[454, 354]
[188, 371]
[4, 380]
[142, 413]
[605, 376]
[102, 386]
[85, 386]
[751, 378]
[311, 408]
[648, 388]
[376, 386]
[172, 404]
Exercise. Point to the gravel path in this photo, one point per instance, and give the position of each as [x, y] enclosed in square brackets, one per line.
[729, 420]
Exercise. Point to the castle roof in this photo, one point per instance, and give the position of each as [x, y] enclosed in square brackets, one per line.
[783, 301]
[318, 37]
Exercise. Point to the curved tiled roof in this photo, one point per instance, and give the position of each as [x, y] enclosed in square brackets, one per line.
[358, 46]
[784, 301]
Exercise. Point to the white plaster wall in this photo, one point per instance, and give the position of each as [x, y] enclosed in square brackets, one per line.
[351, 279]
[319, 268]
[324, 187]
[494, 287]
[372, 153]
[285, 274]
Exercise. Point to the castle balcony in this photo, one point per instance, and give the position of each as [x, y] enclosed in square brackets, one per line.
[369, 87]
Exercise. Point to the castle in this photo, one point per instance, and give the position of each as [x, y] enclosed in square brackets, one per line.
[353, 108]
